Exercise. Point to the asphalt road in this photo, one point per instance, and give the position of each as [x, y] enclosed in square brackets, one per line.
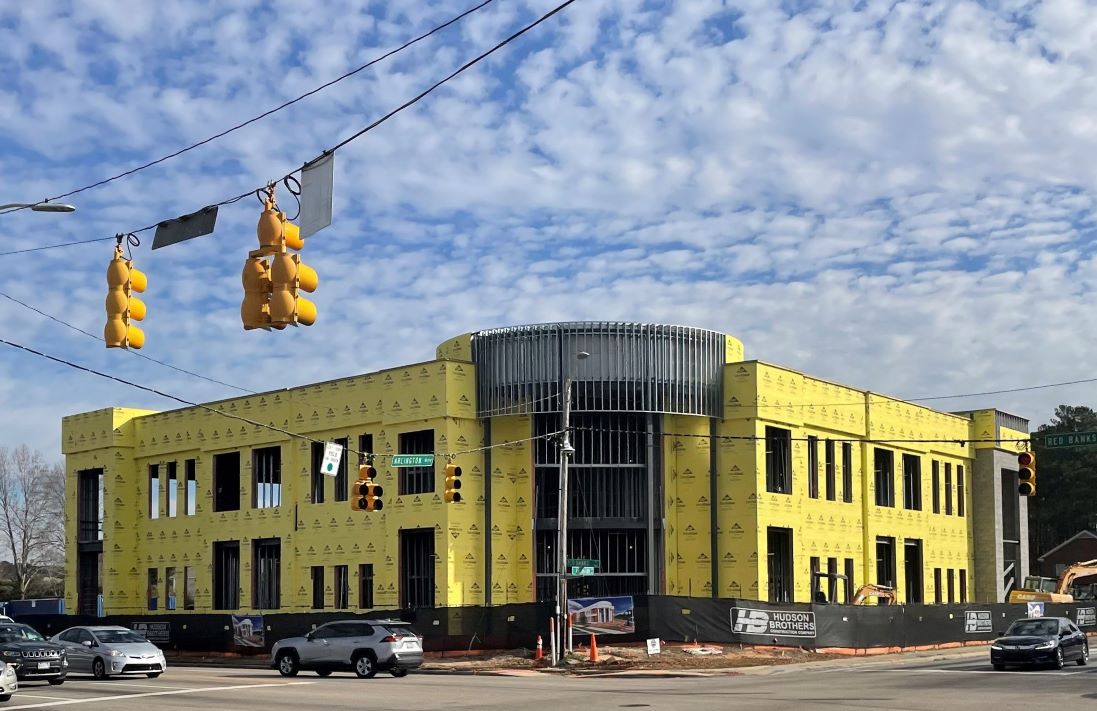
[894, 685]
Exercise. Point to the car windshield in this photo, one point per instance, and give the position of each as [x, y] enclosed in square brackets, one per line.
[1033, 628]
[18, 633]
[118, 637]
[400, 630]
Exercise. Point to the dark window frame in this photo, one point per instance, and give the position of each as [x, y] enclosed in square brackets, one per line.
[778, 460]
[963, 584]
[154, 492]
[190, 587]
[912, 482]
[173, 490]
[948, 488]
[936, 482]
[417, 559]
[830, 483]
[938, 592]
[226, 575]
[266, 477]
[961, 505]
[365, 584]
[190, 494]
[416, 480]
[89, 505]
[316, 575]
[341, 584]
[153, 592]
[342, 486]
[813, 467]
[951, 576]
[226, 481]
[847, 472]
[883, 461]
[317, 485]
[266, 575]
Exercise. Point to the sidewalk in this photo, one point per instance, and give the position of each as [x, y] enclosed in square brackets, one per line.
[465, 666]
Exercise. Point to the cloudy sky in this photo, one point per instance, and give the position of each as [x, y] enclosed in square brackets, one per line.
[896, 195]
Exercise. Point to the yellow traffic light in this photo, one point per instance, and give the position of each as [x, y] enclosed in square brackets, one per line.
[453, 483]
[1026, 473]
[255, 310]
[365, 494]
[289, 277]
[122, 307]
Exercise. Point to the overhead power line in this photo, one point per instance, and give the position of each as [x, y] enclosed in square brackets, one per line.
[263, 115]
[350, 138]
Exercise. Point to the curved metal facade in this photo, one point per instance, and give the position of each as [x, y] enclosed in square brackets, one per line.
[633, 367]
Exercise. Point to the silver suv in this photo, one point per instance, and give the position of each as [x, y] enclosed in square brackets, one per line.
[362, 646]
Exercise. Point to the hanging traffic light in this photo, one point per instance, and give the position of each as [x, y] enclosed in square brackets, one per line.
[365, 493]
[1026, 473]
[453, 483]
[272, 289]
[122, 306]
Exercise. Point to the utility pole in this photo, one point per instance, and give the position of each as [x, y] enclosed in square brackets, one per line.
[566, 451]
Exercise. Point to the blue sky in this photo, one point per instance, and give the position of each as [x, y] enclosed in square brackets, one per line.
[895, 195]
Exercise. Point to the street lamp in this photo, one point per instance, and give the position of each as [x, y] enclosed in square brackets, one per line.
[39, 206]
[566, 450]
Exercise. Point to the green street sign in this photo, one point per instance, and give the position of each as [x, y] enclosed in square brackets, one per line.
[582, 566]
[413, 460]
[1073, 439]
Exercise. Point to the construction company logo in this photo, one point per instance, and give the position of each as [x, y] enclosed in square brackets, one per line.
[977, 621]
[1087, 616]
[772, 623]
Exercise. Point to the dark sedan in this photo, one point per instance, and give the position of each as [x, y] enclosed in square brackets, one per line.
[1040, 641]
[34, 657]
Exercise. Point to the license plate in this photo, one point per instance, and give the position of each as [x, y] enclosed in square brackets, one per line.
[43, 665]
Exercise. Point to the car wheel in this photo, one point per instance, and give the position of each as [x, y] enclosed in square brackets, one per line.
[1082, 660]
[399, 673]
[365, 667]
[1059, 658]
[288, 664]
[153, 675]
[99, 669]
[56, 682]
[323, 672]
[999, 667]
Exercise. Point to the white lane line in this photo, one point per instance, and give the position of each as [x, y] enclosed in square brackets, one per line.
[970, 671]
[105, 684]
[126, 697]
[37, 696]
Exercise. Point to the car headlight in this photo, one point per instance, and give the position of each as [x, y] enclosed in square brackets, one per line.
[117, 653]
[996, 647]
[1046, 645]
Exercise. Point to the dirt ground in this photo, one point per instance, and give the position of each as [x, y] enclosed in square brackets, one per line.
[620, 658]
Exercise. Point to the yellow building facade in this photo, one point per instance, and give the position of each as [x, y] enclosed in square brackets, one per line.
[695, 473]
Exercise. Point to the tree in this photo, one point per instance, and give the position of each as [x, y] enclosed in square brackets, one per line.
[32, 515]
[1066, 489]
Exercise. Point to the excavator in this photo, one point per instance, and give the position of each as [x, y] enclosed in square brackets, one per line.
[883, 593]
[1040, 589]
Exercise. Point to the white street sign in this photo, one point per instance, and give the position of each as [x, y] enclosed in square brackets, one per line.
[332, 454]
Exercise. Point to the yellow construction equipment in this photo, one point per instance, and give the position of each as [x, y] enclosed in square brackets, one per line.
[884, 594]
[1040, 589]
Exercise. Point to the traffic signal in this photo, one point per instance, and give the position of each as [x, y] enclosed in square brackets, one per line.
[122, 307]
[1026, 473]
[365, 494]
[272, 289]
[453, 483]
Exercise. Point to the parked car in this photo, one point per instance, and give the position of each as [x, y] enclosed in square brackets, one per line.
[104, 651]
[34, 657]
[9, 681]
[1050, 641]
[362, 646]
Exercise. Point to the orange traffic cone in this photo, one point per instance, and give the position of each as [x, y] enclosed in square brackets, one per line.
[593, 649]
[539, 654]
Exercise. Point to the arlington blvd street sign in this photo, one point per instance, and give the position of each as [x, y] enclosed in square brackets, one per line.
[413, 460]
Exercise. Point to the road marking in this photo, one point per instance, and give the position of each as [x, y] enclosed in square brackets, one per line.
[102, 684]
[173, 692]
[37, 696]
[970, 671]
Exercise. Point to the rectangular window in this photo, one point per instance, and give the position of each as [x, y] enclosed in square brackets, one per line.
[316, 487]
[318, 587]
[778, 460]
[779, 563]
[169, 588]
[948, 489]
[417, 560]
[191, 494]
[89, 505]
[266, 566]
[963, 585]
[961, 505]
[912, 482]
[850, 586]
[951, 585]
[847, 472]
[885, 561]
[828, 463]
[173, 490]
[266, 474]
[190, 586]
[936, 486]
[365, 579]
[813, 467]
[226, 482]
[342, 487]
[912, 570]
[884, 469]
[937, 583]
[226, 572]
[816, 583]
[832, 580]
[416, 480]
[154, 491]
[152, 589]
[342, 587]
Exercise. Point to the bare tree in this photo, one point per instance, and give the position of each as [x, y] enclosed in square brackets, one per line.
[32, 514]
